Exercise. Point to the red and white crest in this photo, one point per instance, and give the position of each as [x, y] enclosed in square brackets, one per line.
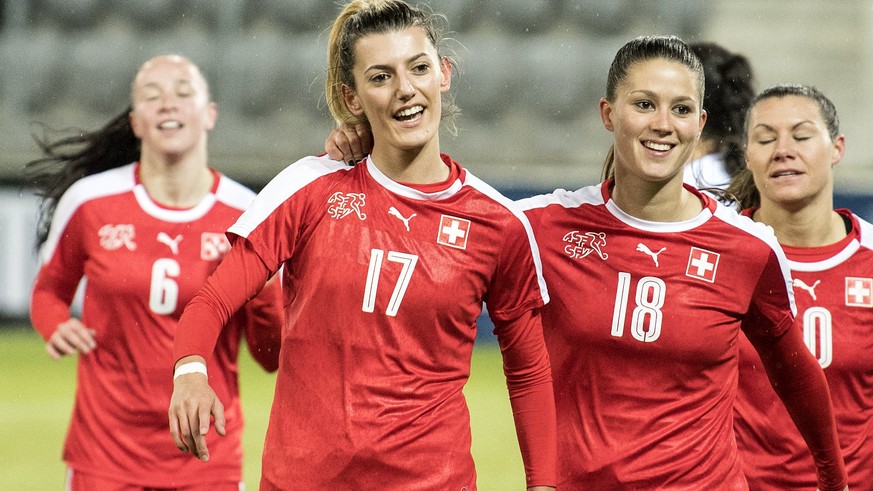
[213, 246]
[114, 237]
[859, 292]
[344, 204]
[702, 264]
[453, 231]
[584, 243]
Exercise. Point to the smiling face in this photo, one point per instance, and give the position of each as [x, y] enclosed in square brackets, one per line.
[399, 81]
[790, 152]
[656, 119]
[171, 109]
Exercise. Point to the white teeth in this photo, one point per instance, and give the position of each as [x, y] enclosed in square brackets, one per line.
[168, 125]
[410, 111]
[785, 173]
[661, 147]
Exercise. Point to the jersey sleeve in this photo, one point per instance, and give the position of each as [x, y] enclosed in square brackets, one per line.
[239, 277]
[801, 385]
[529, 380]
[57, 279]
[263, 318]
[793, 372]
[772, 309]
[517, 285]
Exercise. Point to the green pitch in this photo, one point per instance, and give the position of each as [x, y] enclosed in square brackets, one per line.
[36, 398]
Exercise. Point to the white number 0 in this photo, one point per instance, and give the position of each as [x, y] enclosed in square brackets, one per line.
[407, 260]
[164, 291]
[818, 331]
[649, 299]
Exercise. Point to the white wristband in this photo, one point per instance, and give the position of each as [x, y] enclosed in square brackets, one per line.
[190, 367]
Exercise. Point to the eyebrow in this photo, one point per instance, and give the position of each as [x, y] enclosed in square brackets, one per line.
[770, 128]
[388, 67]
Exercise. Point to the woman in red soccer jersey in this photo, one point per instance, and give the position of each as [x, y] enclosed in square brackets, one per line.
[645, 369]
[793, 143]
[135, 210]
[651, 282]
[387, 265]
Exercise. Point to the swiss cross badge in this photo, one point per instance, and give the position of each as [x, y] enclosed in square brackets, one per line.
[453, 231]
[859, 292]
[213, 246]
[702, 264]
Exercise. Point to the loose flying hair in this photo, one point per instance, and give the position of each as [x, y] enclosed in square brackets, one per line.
[729, 92]
[642, 49]
[361, 18]
[743, 185]
[66, 159]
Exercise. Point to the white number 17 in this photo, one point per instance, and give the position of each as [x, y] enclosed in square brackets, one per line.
[376, 256]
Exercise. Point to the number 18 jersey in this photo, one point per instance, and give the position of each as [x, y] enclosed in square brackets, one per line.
[642, 333]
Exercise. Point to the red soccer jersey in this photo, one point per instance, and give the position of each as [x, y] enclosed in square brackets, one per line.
[642, 331]
[834, 293]
[384, 283]
[142, 263]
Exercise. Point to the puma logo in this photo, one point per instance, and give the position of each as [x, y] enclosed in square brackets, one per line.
[654, 255]
[173, 243]
[393, 212]
[798, 283]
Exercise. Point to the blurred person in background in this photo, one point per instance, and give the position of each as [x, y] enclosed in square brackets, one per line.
[387, 265]
[135, 210]
[718, 156]
[639, 330]
[793, 143]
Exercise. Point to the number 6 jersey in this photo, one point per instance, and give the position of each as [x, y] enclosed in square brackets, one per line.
[642, 332]
[142, 263]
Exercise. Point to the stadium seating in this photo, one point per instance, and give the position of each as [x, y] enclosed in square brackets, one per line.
[528, 79]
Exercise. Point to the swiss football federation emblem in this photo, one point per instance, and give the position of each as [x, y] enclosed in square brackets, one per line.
[213, 246]
[453, 231]
[344, 204]
[114, 237]
[584, 243]
[859, 292]
[702, 264]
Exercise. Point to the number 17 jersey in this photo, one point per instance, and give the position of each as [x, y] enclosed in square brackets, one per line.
[384, 283]
[642, 333]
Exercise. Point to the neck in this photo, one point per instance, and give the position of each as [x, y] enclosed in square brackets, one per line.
[806, 226]
[658, 201]
[419, 166]
[178, 182]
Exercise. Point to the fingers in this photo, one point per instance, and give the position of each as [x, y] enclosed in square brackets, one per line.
[71, 337]
[365, 141]
[349, 143]
[199, 437]
[192, 404]
[179, 427]
[218, 414]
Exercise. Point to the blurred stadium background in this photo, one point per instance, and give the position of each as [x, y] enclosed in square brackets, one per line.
[531, 73]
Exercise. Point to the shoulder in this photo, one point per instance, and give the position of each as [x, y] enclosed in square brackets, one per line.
[746, 227]
[233, 194]
[865, 232]
[107, 183]
[104, 184]
[288, 183]
[591, 195]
